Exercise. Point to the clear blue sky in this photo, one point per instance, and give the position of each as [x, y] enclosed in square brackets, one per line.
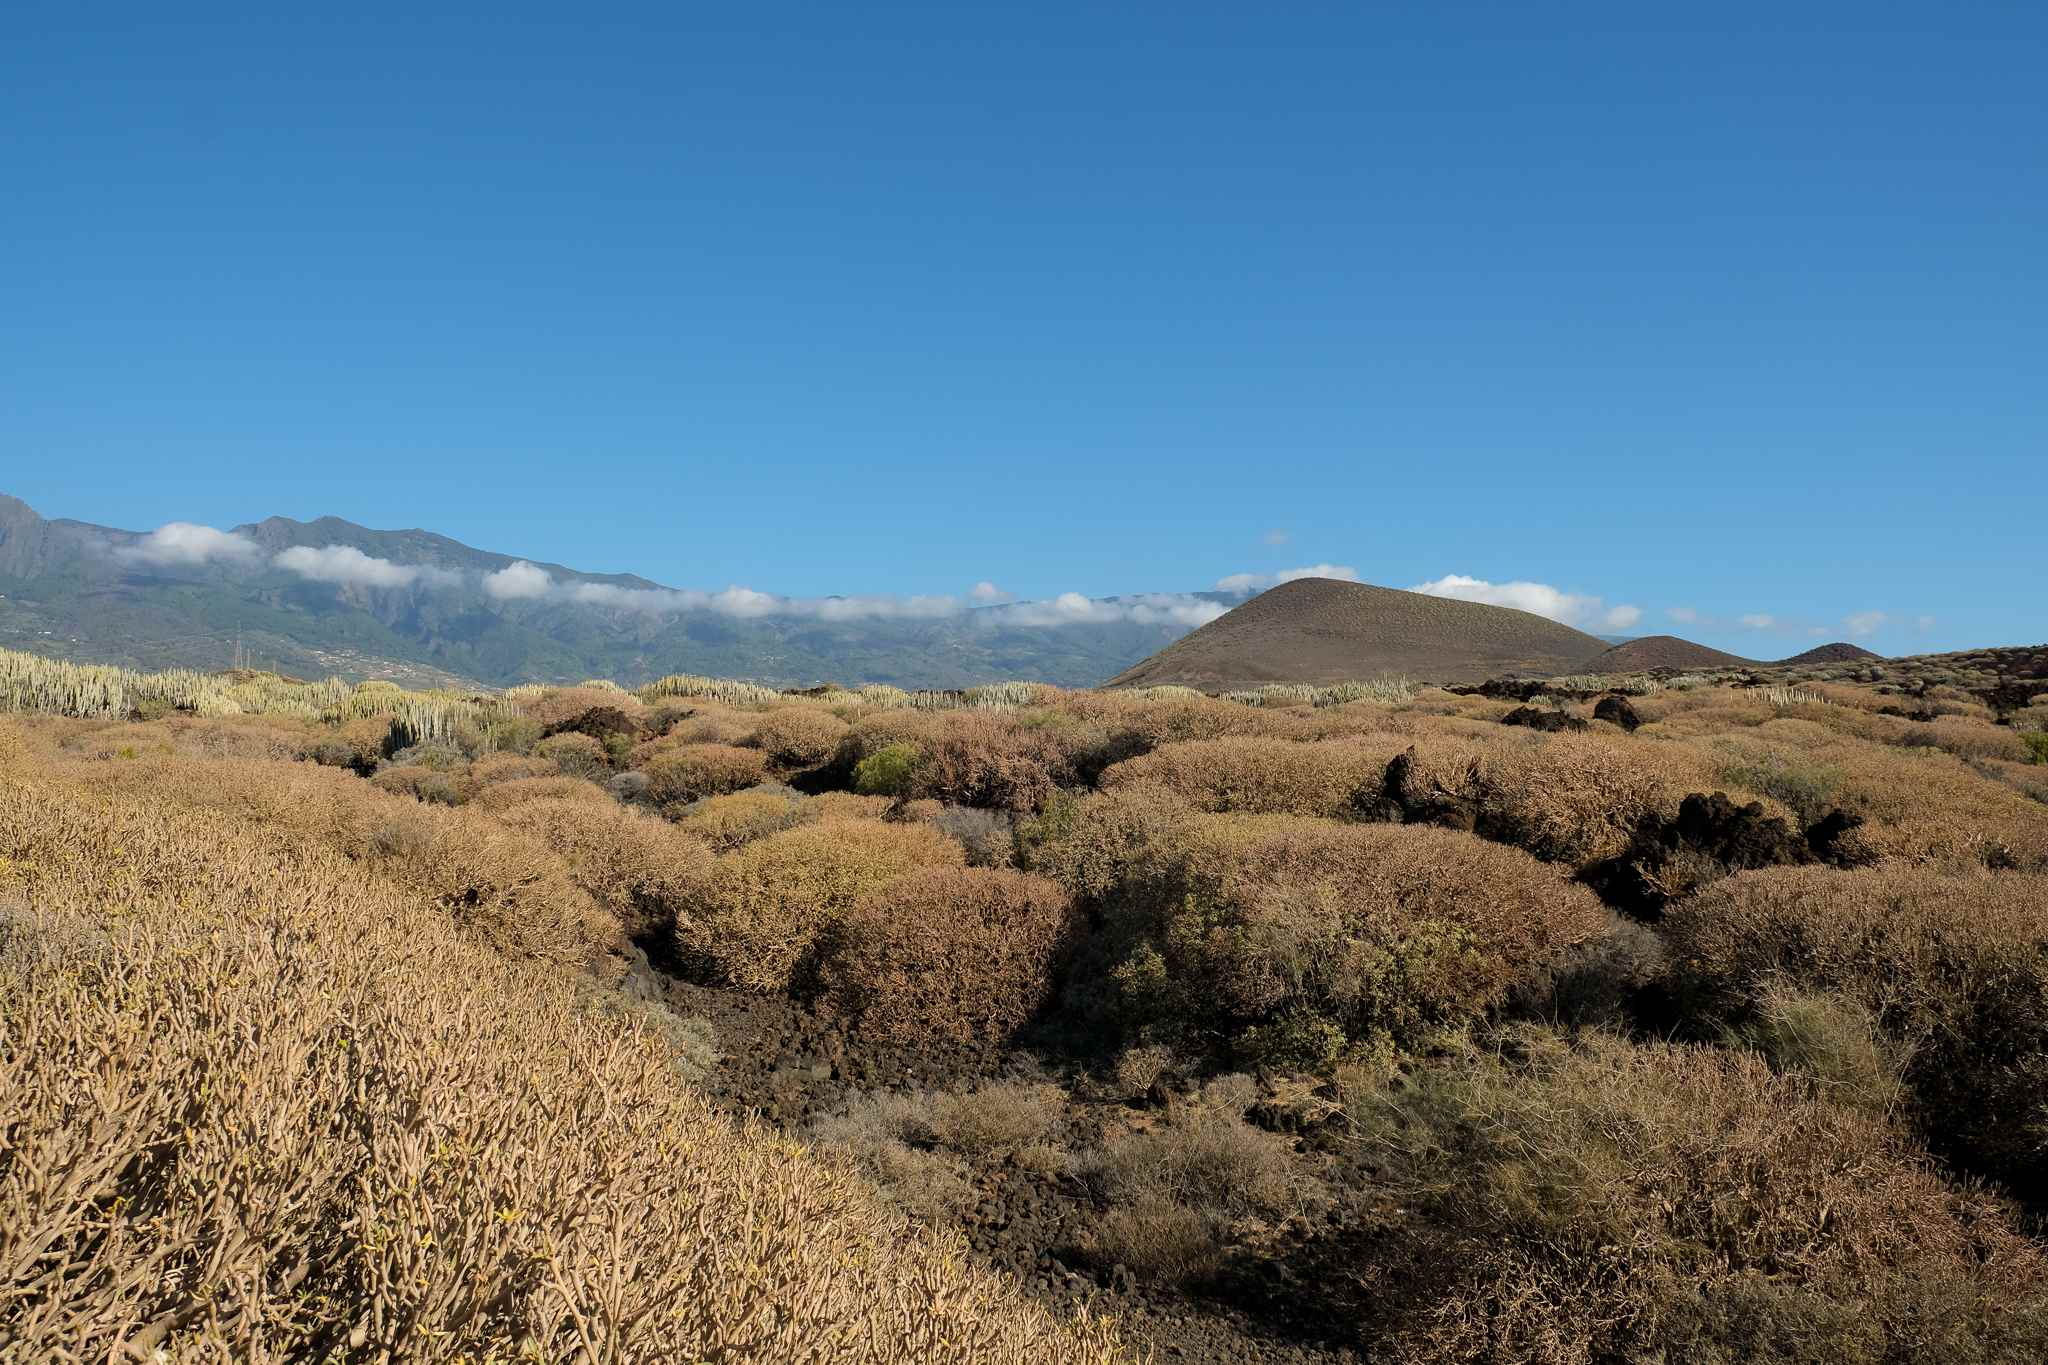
[1737, 309]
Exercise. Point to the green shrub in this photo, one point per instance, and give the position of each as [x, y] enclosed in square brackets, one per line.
[2037, 745]
[887, 771]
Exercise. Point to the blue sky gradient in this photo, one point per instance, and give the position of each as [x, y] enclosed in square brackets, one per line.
[1728, 312]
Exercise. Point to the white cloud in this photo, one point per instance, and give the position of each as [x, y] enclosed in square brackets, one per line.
[1244, 583]
[1685, 616]
[1759, 620]
[350, 567]
[185, 543]
[1278, 537]
[1145, 609]
[1865, 622]
[1571, 609]
[988, 594]
[519, 581]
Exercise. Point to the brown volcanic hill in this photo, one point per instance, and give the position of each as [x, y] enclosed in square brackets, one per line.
[1660, 651]
[1840, 652]
[1323, 630]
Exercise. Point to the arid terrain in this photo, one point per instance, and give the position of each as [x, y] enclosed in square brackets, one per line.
[1687, 1018]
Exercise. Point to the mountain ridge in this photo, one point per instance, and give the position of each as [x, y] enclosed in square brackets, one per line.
[79, 590]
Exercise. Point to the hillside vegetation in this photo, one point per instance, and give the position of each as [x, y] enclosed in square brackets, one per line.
[1642, 1019]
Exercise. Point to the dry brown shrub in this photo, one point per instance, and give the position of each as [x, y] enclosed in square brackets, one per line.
[560, 705]
[575, 755]
[1147, 724]
[1261, 776]
[986, 759]
[495, 768]
[1608, 1201]
[255, 737]
[709, 723]
[1577, 799]
[988, 837]
[500, 885]
[762, 908]
[727, 822]
[965, 954]
[257, 1106]
[1954, 967]
[878, 1136]
[994, 1117]
[1352, 720]
[829, 807]
[1921, 805]
[1097, 844]
[502, 796]
[1434, 701]
[694, 771]
[1968, 737]
[635, 865]
[1172, 1194]
[871, 734]
[1683, 715]
[1370, 930]
[422, 784]
[798, 736]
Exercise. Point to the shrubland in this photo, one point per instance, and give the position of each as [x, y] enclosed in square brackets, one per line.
[1722, 1039]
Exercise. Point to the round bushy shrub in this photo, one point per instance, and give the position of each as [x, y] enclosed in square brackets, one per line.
[965, 954]
[576, 755]
[1264, 928]
[1094, 845]
[634, 864]
[695, 771]
[990, 761]
[886, 772]
[726, 822]
[798, 736]
[755, 917]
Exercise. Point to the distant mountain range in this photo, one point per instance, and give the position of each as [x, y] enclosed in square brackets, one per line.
[330, 597]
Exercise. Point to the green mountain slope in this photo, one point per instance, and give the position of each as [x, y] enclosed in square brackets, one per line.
[80, 591]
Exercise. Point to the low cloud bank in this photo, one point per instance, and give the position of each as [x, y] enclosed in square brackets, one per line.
[183, 543]
[1144, 609]
[1567, 608]
[989, 604]
[1244, 584]
[349, 567]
